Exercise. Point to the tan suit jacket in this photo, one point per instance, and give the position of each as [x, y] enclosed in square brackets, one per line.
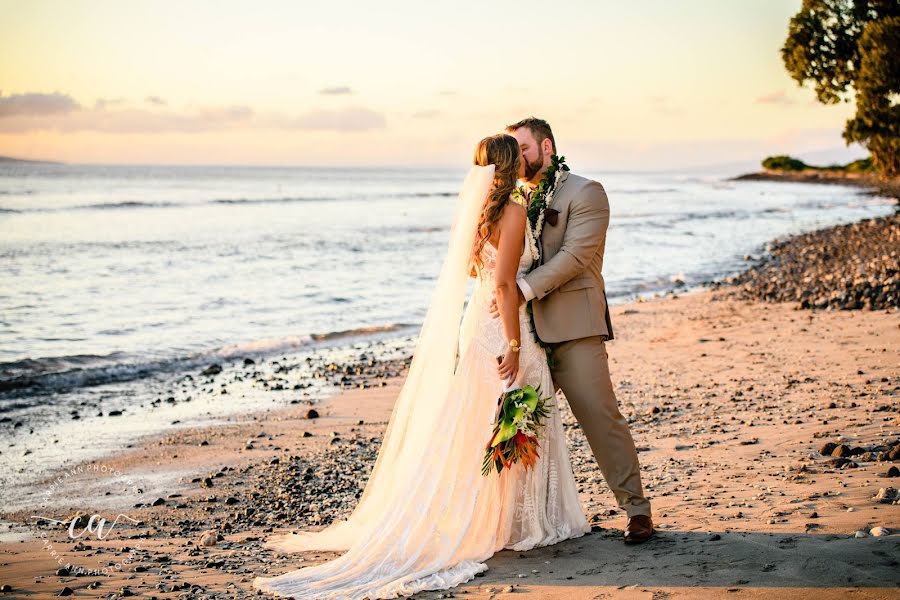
[570, 293]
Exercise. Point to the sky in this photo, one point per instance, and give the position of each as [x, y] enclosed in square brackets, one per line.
[654, 84]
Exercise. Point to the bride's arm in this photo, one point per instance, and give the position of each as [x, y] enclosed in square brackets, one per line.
[509, 252]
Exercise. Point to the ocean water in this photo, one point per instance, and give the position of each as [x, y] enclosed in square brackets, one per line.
[115, 276]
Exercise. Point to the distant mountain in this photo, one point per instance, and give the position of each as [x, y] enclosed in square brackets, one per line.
[10, 159]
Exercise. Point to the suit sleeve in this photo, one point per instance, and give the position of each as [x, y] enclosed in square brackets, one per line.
[585, 235]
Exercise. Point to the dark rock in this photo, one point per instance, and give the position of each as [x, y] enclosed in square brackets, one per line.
[213, 369]
[841, 450]
[312, 414]
[827, 448]
[894, 453]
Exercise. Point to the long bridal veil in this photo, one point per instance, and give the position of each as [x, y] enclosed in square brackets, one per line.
[409, 469]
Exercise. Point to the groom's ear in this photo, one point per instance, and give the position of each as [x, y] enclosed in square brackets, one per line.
[547, 147]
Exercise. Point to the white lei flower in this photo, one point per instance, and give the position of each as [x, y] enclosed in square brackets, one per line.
[535, 233]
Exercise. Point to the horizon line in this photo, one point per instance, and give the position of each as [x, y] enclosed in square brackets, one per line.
[12, 159]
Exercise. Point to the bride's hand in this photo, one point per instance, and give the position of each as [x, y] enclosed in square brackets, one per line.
[508, 369]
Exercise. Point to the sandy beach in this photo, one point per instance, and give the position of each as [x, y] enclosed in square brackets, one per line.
[225, 231]
[730, 401]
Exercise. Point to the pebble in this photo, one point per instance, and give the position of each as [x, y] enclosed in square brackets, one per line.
[827, 448]
[213, 369]
[886, 495]
[209, 538]
[879, 531]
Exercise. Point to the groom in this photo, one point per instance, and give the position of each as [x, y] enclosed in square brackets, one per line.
[571, 314]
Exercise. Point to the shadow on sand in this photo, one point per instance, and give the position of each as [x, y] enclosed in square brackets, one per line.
[681, 559]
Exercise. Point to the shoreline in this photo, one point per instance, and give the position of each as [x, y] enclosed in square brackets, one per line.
[728, 411]
[721, 391]
[874, 184]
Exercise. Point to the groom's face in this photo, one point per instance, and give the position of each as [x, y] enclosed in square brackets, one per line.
[532, 155]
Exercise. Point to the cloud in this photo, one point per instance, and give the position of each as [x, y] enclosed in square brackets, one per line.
[426, 114]
[36, 104]
[778, 97]
[59, 112]
[102, 103]
[336, 91]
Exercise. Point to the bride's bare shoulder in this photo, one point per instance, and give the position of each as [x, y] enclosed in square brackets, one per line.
[514, 213]
[512, 220]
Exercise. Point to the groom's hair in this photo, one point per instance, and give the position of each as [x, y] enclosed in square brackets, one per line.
[538, 127]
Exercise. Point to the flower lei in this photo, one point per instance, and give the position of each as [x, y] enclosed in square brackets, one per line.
[538, 201]
[541, 197]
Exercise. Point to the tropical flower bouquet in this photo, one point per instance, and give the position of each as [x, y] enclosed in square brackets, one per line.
[519, 424]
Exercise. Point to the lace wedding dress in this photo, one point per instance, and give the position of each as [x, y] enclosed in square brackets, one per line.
[433, 528]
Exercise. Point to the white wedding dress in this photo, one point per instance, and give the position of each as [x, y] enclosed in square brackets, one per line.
[429, 519]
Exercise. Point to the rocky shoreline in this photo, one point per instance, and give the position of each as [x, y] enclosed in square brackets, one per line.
[854, 266]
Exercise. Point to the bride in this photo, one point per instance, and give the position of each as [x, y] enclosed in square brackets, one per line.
[428, 518]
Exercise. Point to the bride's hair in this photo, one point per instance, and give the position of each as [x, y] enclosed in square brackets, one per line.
[502, 151]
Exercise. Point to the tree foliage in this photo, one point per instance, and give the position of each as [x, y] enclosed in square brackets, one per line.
[783, 163]
[846, 47]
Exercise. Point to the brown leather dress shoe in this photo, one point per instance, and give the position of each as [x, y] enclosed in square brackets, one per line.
[639, 529]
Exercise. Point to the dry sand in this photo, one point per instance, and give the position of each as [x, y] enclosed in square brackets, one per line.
[729, 402]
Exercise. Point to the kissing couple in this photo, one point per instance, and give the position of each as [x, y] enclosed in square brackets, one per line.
[532, 234]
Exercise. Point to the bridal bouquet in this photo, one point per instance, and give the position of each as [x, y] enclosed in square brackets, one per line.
[515, 435]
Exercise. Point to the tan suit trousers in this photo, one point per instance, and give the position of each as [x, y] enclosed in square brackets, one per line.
[581, 370]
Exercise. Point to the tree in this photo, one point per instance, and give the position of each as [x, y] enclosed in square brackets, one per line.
[844, 45]
[784, 163]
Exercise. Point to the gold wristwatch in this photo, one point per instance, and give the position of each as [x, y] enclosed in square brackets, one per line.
[514, 345]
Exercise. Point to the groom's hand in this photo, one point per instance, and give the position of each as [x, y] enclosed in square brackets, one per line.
[495, 312]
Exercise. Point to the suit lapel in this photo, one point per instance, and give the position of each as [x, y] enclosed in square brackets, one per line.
[559, 185]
